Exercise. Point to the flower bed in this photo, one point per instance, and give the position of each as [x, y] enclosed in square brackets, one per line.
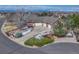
[36, 42]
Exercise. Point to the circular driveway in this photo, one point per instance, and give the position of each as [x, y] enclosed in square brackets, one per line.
[9, 47]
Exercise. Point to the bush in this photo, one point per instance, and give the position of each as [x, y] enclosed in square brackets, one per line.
[59, 32]
[33, 41]
[59, 29]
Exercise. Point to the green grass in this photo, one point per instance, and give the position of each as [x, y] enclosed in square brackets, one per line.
[33, 41]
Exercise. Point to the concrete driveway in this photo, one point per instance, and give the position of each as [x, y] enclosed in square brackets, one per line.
[35, 31]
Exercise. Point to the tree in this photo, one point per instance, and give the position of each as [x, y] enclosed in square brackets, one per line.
[73, 21]
[59, 29]
[8, 17]
[20, 18]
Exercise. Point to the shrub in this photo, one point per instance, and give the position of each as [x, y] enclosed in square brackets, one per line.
[59, 29]
[33, 41]
[59, 32]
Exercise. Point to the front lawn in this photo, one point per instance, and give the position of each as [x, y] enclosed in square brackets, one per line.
[36, 42]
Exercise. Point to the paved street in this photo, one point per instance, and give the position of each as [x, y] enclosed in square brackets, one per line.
[9, 47]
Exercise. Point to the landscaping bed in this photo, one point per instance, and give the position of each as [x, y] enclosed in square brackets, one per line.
[38, 42]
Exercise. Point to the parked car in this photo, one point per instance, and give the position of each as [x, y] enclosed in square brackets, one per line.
[26, 31]
[40, 35]
[18, 35]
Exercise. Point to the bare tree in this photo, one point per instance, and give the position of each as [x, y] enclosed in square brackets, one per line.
[20, 20]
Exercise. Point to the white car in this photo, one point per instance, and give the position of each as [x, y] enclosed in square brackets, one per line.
[39, 36]
[45, 33]
[26, 31]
